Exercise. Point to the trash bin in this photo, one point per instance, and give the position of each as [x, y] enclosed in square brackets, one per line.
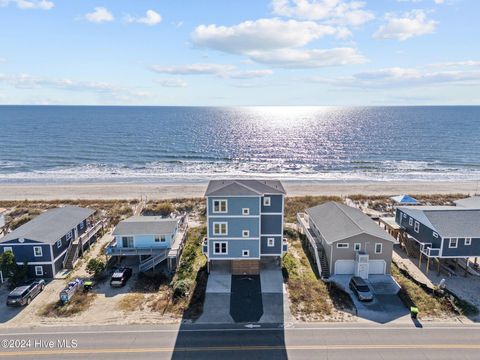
[413, 312]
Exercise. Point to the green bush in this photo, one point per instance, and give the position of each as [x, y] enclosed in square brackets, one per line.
[181, 288]
[95, 267]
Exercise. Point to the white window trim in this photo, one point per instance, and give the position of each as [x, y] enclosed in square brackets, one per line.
[80, 226]
[381, 248]
[59, 243]
[220, 244]
[246, 233]
[416, 227]
[359, 247]
[41, 251]
[38, 273]
[245, 253]
[341, 245]
[7, 248]
[410, 221]
[69, 235]
[404, 215]
[219, 201]
[435, 235]
[468, 241]
[270, 242]
[450, 243]
[267, 201]
[220, 227]
[161, 238]
[246, 211]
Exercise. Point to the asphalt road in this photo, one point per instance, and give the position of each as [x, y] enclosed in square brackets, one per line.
[335, 341]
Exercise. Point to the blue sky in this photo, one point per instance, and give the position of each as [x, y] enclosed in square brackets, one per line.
[248, 52]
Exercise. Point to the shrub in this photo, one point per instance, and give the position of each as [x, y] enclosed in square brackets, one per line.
[95, 267]
[20, 221]
[181, 288]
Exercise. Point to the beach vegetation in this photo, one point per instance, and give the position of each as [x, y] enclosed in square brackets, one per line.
[79, 303]
[297, 204]
[95, 267]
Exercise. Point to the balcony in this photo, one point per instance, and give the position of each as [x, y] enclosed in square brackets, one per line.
[427, 250]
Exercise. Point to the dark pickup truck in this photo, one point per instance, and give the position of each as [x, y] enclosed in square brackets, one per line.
[24, 294]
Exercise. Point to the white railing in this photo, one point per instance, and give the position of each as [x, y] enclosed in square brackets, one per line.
[152, 261]
[302, 221]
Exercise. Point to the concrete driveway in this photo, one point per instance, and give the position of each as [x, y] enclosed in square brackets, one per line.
[385, 307]
[216, 307]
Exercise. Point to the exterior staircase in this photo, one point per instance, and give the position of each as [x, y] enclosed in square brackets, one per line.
[72, 256]
[325, 274]
[153, 261]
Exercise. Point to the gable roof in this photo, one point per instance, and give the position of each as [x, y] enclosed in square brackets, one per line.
[472, 202]
[244, 187]
[337, 221]
[404, 199]
[51, 225]
[146, 225]
[447, 221]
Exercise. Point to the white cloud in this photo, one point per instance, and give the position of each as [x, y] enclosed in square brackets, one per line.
[99, 15]
[30, 4]
[251, 74]
[410, 24]
[195, 69]
[172, 82]
[333, 11]
[277, 42]
[151, 18]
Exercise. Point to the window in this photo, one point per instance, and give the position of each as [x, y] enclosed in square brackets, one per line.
[81, 225]
[7, 248]
[69, 235]
[39, 270]
[468, 241]
[245, 252]
[220, 206]
[342, 246]
[59, 243]
[37, 251]
[127, 242]
[410, 221]
[246, 211]
[267, 201]
[453, 243]
[435, 235]
[220, 248]
[404, 216]
[357, 247]
[160, 238]
[378, 248]
[271, 242]
[220, 228]
[246, 233]
[417, 227]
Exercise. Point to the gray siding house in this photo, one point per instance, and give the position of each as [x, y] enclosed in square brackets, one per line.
[345, 241]
[442, 231]
[244, 223]
[44, 241]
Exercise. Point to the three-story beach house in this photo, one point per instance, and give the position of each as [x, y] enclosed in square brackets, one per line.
[52, 240]
[244, 223]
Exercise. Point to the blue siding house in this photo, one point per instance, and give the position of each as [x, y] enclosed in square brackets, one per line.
[244, 223]
[44, 241]
[152, 238]
[442, 231]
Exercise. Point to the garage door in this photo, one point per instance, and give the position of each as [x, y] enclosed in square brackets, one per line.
[344, 267]
[376, 267]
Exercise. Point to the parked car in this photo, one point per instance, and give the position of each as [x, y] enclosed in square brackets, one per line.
[120, 277]
[23, 295]
[361, 289]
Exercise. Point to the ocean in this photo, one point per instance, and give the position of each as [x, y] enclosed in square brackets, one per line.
[63, 144]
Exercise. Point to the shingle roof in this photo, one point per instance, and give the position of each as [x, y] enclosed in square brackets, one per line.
[51, 225]
[145, 225]
[244, 187]
[472, 202]
[448, 221]
[337, 221]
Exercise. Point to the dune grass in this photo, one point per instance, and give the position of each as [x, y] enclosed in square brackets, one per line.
[79, 303]
[294, 205]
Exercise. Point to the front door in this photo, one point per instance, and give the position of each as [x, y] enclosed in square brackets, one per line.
[362, 270]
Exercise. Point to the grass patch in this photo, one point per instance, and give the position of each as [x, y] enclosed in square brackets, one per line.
[427, 303]
[309, 296]
[78, 304]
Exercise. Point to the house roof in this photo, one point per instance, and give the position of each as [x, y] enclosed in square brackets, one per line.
[146, 225]
[244, 187]
[51, 225]
[472, 202]
[448, 221]
[2, 210]
[337, 221]
[404, 199]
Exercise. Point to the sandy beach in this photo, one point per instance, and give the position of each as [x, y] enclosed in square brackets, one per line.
[197, 189]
